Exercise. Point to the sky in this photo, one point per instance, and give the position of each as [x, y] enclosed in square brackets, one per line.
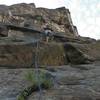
[85, 13]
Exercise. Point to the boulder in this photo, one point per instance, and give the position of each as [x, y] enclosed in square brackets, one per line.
[75, 56]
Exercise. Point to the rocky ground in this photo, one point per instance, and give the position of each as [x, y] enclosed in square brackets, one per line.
[71, 82]
[11, 82]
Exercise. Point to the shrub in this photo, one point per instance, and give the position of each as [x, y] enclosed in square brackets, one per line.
[21, 97]
[39, 18]
[45, 82]
[44, 79]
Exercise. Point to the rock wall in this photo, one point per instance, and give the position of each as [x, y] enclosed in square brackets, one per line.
[16, 54]
[28, 15]
[70, 48]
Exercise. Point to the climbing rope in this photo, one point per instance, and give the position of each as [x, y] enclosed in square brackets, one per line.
[37, 70]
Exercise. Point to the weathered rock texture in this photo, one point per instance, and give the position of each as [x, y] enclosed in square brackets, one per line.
[19, 48]
[77, 82]
[28, 15]
[67, 46]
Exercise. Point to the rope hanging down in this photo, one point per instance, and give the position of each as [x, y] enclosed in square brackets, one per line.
[36, 64]
[37, 70]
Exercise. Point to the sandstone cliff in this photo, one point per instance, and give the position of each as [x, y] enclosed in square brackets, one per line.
[28, 15]
[66, 47]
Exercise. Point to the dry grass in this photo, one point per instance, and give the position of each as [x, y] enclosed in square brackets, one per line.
[52, 54]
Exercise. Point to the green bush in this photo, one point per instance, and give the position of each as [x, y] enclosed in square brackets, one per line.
[45, 81]
[39, 18]
[21, 97]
